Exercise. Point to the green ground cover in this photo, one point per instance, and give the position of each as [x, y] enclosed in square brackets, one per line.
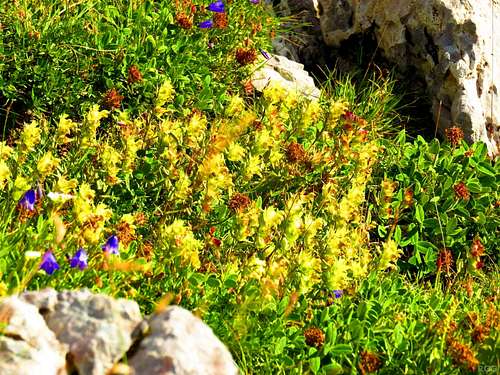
[313, 237]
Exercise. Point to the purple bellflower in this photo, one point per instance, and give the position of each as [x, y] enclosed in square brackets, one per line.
[338, 293]
[208, 24]
[111, 246]
[79, 259]
[217, 6]
[265, 54]
[28, 200]
[255, 1]
[49, 263]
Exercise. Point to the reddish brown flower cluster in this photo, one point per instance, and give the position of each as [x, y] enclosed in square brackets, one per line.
[113, 99]
[477, 251]
[245, 56]
[351, 118]
[239, 202]
[295, 153]
[445, 260]
[477, 248]
[314, 337]
[461, 354]
[146, 250]
[248, 87]
[479, 331]
[140, 219]
[125, 233]
[368, 362]
[454, 135]
[184, 21]
[220, 20]
[461, 191]
[134, 74]
[408, 197]
[214, 240]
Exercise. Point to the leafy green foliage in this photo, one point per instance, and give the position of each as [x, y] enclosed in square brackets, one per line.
[56, 57]
[442, 197]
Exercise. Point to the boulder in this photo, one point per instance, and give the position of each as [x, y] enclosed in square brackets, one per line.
[179, 343]
[96, 328]
[287, 73]
[449, 43]
[27, 345]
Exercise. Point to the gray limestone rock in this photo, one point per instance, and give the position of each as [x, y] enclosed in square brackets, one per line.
[27, 345]
[97, 328]
[179, 343]
[450, 43]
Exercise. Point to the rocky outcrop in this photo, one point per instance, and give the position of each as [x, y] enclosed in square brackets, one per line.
[304, 43]
[449, 43]
[51, 332]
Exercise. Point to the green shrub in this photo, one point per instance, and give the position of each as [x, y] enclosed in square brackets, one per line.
[56, 57]
[440, 203]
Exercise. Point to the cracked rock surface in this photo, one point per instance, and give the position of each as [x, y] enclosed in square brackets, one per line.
[449, 43]
[79, 332]
[27, 345]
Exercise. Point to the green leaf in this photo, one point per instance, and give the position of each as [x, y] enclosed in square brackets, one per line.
[315, 364]
[341, 349]
[397, 234]
[280, 345]
[419, 214]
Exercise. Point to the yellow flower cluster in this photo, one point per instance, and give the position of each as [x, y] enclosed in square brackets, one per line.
[90, 217]
[180, 241]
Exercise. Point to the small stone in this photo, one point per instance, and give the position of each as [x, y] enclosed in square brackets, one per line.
[287, 74]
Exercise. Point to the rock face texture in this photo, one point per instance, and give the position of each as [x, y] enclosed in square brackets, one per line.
[305, 44]
[180, 343]
[27, 345]
[287, 73]
[49, 332]
[449, 43]
[96, 328]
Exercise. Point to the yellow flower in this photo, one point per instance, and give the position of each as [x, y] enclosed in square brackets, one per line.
[5, 151]
[311, 114]
[236, 106]
[195, 130]
[253, 167]
[235, 152]
[182, 186]
[309, 269]
[21, 185]
[64, 128]
[47, 164]
[109, 160]
[165, 95]
[31, 135]
[390, 255]
[181, 241]
[91, 123]
[274, 92]
[4, 174]
[336, 109]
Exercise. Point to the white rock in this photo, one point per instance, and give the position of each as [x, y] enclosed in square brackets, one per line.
[97, 328]
[179, 343]
[287, 73]
[449, 42]
[27, 345]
